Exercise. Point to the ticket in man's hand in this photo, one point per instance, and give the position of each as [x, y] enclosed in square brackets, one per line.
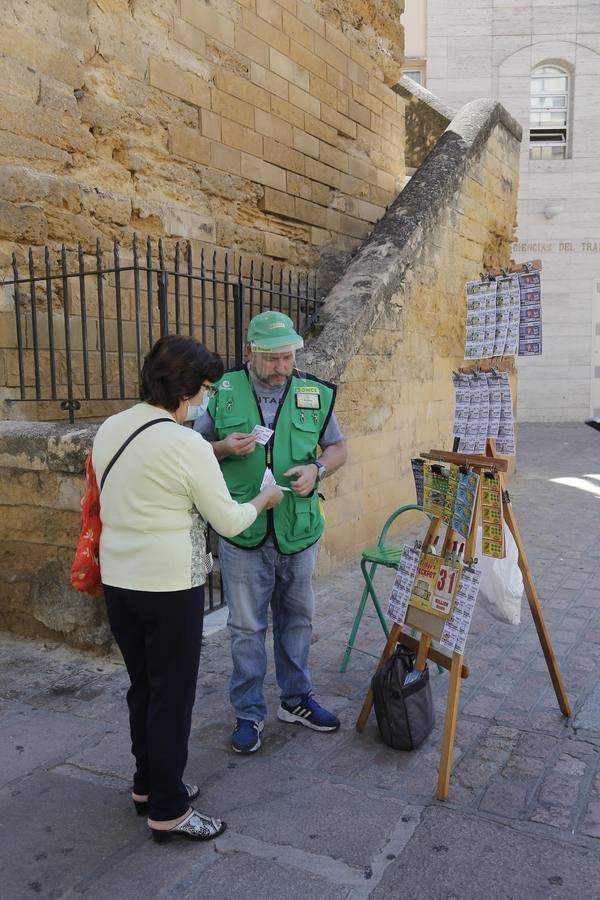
[262, 434]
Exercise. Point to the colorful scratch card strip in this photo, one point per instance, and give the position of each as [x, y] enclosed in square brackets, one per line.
[403, 584]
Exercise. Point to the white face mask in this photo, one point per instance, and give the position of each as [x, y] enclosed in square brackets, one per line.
[194, 412]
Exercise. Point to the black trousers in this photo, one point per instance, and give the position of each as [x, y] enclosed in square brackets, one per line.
[159, 635]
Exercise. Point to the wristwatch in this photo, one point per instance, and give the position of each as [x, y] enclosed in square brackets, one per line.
[321, 470]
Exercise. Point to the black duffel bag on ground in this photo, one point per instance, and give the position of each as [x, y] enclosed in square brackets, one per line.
[404, 711]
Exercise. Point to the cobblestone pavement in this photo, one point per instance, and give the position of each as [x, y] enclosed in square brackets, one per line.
[339, 815]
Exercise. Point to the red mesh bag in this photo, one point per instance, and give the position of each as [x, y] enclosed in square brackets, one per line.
[85, 571]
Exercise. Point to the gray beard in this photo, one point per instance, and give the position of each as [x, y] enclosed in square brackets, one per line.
[272, 387]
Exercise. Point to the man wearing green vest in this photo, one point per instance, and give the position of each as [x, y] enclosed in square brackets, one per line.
[271, 564]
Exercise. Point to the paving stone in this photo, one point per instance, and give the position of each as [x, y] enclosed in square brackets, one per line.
[47, 846]
[79, 690]
[475, 769]
[32, 738]
[366, 760]
[591, 821]
[242, 875]
[507, 795]
[483, 704]
[501, 682]
[510, 792]
[145, 869]
[560, 791]
[527, 692]
[451, 855]
[517, 760]
[297, 811]
[536, 746]
[341, 753]
[550, 720]
[111, 755]
[589, 714]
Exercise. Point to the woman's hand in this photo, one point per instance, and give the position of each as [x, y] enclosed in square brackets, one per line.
[269, 497]
[273, 495]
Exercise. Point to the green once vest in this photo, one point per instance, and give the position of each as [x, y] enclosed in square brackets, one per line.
[297, 522]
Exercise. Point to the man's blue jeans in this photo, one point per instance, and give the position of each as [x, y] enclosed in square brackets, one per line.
[253, 580]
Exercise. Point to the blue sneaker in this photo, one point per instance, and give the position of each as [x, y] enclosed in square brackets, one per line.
[309, 713]
[246, 735]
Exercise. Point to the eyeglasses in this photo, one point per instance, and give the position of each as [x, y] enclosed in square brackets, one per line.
[211, 390]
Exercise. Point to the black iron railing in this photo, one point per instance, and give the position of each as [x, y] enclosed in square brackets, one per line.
[83, 323]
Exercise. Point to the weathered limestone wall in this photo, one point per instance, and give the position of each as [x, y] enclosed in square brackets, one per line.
[257, 125]
[394, 325]
[261, 128]
[426, 120]
[40, 487]
[393, 331]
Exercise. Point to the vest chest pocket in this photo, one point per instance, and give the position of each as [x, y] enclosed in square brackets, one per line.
[304, 435]
[225, 425]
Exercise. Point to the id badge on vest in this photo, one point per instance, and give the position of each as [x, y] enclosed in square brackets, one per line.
[308, 398]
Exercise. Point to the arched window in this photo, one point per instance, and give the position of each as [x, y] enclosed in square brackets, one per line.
[549, 113]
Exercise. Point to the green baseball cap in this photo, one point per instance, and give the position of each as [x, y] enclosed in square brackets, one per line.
[272, 330]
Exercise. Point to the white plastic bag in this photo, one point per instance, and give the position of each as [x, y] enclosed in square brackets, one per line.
[501, 586]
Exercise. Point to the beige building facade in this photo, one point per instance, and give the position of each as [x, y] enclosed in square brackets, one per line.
[542, 61]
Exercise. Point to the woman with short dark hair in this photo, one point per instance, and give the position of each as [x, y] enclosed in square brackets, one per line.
[161, 484]
[176, 367]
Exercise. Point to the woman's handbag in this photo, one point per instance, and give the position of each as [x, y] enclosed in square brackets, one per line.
[402, 700]
[85, 571]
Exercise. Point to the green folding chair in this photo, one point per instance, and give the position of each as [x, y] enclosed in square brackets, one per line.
[372, 557]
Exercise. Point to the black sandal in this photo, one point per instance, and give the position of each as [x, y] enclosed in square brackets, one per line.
[141, 806]
[195, 827]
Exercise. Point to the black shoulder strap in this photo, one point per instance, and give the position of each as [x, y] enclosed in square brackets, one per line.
[128, 441]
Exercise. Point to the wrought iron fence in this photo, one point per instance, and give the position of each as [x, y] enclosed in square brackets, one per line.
[83, 323]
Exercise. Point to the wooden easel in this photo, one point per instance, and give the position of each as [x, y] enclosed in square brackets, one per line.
[534, 265]
[431, 626]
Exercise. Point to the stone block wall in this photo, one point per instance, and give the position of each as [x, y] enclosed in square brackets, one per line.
[263, 126]
[394, 325]
[426, 120]
[40, 487]
[265, 129]
[393, 331]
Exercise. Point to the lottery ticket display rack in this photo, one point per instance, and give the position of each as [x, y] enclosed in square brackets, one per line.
[430, 625]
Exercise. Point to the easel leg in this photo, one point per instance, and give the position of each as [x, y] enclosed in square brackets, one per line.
[538, 617]
[534, 601]
[424, 645]
[449, 727]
